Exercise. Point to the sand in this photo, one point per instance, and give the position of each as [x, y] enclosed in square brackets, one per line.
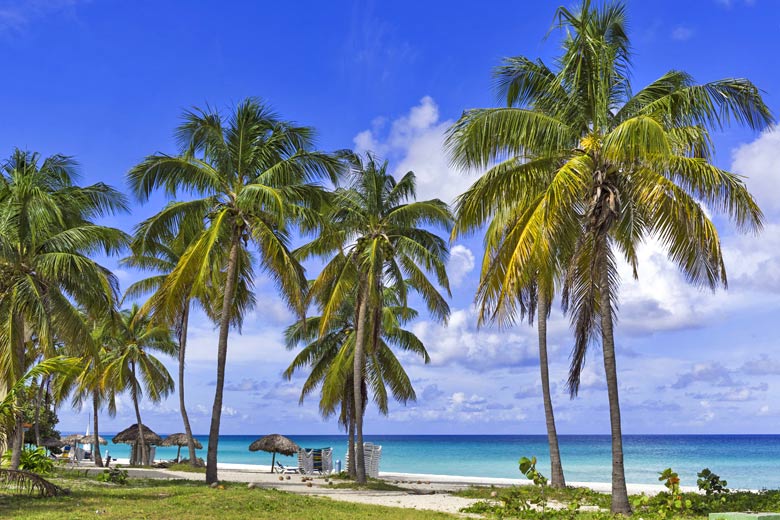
[433, 493]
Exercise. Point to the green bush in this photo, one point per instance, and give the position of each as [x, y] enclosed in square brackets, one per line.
[113, 475]
[33, 460]
[711, 483]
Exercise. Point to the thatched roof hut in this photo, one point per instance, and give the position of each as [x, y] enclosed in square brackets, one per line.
[51, 442]
[90, 439]
[72, 439]
[275, 443]
[179, 440]
[130, 436]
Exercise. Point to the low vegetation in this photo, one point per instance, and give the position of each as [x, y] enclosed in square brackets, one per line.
[175, 499]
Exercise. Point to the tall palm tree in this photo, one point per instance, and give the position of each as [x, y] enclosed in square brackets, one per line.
[255, 177]
[46, 236]
[330, 360]
[133, 366]
[159, 249]
[581, 163]
[87, 384]
[378, 239]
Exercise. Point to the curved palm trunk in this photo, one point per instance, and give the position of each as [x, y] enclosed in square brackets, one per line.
[224, 328]
[357, 381]
[143, 456]
[619, 492]
[18, 436]
[96, 446]
[557, 479]
[185, 318]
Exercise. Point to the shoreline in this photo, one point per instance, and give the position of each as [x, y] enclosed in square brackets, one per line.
[441, 481]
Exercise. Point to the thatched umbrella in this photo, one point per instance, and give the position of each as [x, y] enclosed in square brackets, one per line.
[130, 436]
[275, 443]
[51, 442]
[179, 440]
[90, 439]
[72, 439]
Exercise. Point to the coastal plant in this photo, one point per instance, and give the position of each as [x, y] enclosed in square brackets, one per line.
[114, 476]
[158, 246]
[47, 236]
[329, 358]
[711, 483]
[582, 167]
[254, 177]
[133, 366]
[673, 501]
[34, 460]
[379, 236]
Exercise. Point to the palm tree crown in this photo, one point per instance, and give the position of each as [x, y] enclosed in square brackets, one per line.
[254, 176]
[581, 168]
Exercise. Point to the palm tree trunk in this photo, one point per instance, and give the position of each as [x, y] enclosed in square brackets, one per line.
[144, 456]
[357, 381]
[351, 446]
[185, 318]
[224, 329]
[557, 479]
[18, 438]
[96, 450]
[38, 403]
[619, 492]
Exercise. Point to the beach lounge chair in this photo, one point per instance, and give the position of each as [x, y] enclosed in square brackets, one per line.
[281, 468]
[372, 454]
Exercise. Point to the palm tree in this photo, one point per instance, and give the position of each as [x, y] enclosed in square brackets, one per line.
[157, 248]
[581, 163]
[132, 365]
[87, 384]
[330, 359]
[379, 240]
[46, 274]
[255, 176]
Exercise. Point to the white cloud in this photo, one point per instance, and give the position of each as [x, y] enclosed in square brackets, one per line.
[682, 33]
[461, 263]
[759, 162]
[415, 142]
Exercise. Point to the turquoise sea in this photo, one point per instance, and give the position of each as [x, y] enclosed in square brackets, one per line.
[745, 461]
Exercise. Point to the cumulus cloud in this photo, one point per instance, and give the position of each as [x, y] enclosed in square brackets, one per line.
[713, 374]
[461, 263]
[759, 162]
[460, 342]
[415, 142]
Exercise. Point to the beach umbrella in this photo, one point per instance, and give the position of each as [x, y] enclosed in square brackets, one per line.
[179, 440]
[275, 443]
[90, 439]
[130, 436]
[72, 439]
[51, 442]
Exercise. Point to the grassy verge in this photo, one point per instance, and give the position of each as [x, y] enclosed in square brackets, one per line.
[525, 501]
[166, 499]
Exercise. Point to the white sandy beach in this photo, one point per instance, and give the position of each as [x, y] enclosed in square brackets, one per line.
[425, 491]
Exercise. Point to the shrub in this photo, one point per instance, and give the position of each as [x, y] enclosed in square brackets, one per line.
[113, 475]
[33, 460]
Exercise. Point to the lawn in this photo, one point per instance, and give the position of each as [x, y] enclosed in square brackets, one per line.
[180, 499]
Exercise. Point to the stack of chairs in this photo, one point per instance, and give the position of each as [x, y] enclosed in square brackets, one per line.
[372, 454]
[315, 461]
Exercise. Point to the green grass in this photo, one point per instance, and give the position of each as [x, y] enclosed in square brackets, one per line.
[175, 499]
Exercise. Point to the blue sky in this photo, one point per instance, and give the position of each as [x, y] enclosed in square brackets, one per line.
[106, 81]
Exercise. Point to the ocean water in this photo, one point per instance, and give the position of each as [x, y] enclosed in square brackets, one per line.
[745, 461]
